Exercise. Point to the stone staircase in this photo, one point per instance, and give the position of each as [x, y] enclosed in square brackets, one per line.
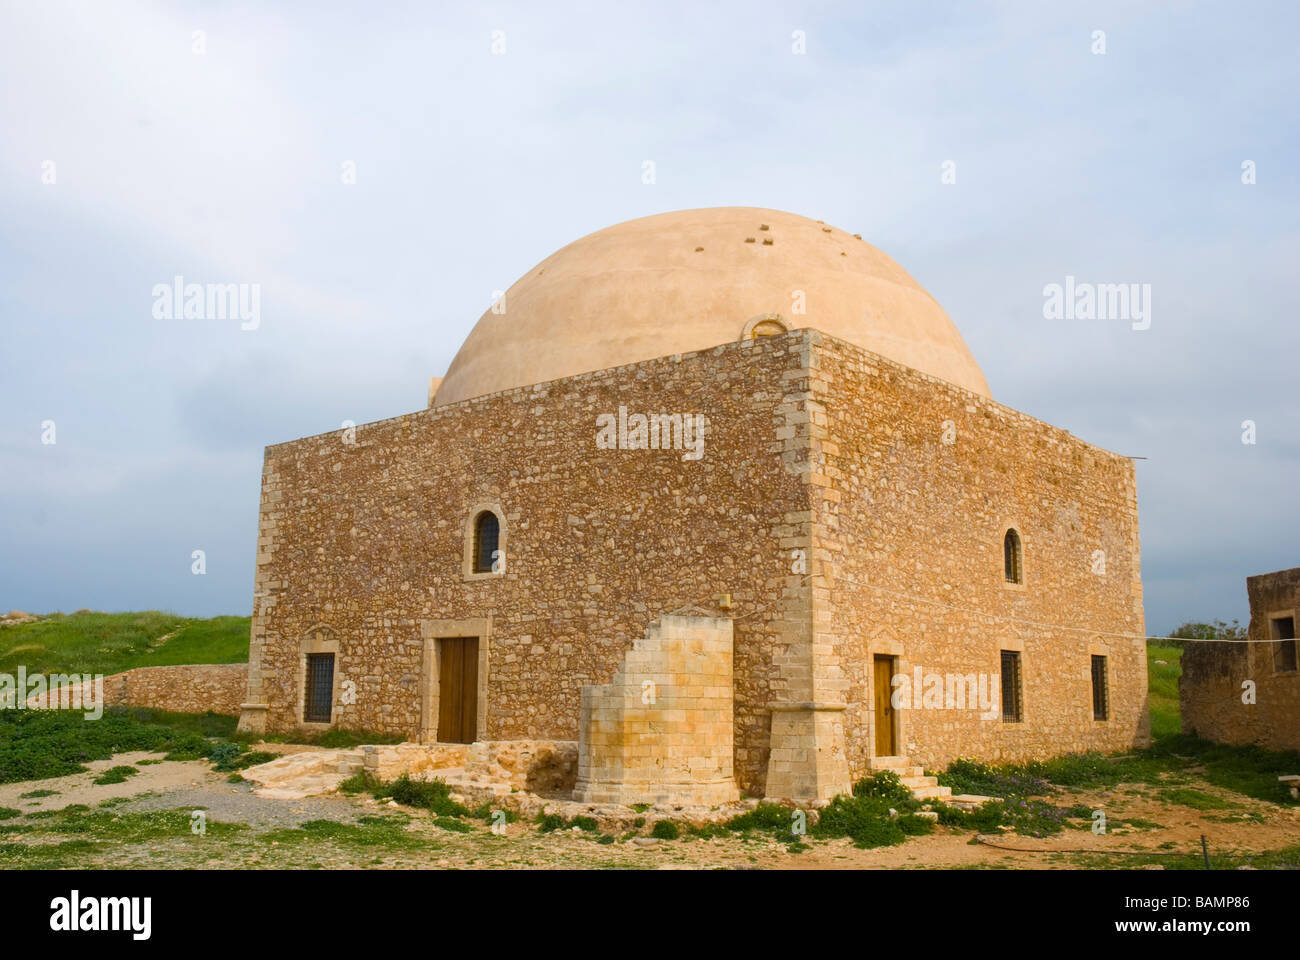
[926, 788]
[351, 762]
[913, 777]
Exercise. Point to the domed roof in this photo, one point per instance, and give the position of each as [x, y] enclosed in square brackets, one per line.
[690, 280]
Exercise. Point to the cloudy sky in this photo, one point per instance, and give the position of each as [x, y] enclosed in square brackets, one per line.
[219, 156]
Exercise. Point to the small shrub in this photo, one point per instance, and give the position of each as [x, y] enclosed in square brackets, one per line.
[8, 813]
[585, 824]
[863, 819]
[224, 755]
[115, 775]
[766, 817]
[550, 822]
[433, 795]
[915, 826]
[361, 782]
[255, 758]
[665, 830]
[885, 787]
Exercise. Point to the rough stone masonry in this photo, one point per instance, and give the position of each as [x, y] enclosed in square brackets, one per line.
[845, 507]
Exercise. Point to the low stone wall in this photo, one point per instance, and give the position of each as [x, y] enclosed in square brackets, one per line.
[1238, 693]
[187, 688]
[390, 761]
[546, 768]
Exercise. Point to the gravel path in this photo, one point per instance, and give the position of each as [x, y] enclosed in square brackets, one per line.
[236, 803]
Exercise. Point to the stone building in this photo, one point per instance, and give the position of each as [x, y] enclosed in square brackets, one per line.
[1249, 693]
[722, 496]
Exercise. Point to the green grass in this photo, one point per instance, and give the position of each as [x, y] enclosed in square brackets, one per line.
[387, 832]
[1287, 858]
[326, 739]
[1167, 763]
[109, 643]
[1162, 689]
[38, 744]
[108, 824]
[1196, 799]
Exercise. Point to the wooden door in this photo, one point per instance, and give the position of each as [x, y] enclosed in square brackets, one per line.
[457, 689]
[886, 732]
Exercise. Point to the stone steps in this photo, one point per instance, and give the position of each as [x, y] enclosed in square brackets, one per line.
[351, 763]
[899, 765]
[911, 776]
[918, 783]
[932, 793]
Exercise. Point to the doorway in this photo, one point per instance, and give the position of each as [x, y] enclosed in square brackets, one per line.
[886, 715]
[457, 689]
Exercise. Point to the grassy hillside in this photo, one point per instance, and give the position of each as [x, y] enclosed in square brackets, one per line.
[109, 643]
[1162, 684]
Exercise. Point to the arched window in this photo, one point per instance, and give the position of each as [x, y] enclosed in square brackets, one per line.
[487, 533]
[764, 325]
[768, 328]
[1011, 557]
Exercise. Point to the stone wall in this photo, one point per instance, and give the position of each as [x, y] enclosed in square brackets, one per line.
[915, 482]
[544, 768]
[661, 731]
[812, 445]
[1212, 686]
[367, 541]
[192, 688]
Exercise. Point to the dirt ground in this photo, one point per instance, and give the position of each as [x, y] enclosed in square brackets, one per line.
[360, 832]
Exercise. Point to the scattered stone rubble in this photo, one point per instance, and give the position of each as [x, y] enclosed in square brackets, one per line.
[526, 777]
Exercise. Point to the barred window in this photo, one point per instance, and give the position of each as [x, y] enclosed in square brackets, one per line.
[1011, 712]
[318, 701]
[1100, 692]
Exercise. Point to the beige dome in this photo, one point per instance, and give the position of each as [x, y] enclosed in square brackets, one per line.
[693, 279]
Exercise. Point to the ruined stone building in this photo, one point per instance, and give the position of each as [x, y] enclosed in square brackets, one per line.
[722, 496]
[1249, 693]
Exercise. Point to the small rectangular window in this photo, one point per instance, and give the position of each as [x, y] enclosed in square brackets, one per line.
[1100, 694]
[318, 697]
[1011, 686]
[1282, 630]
